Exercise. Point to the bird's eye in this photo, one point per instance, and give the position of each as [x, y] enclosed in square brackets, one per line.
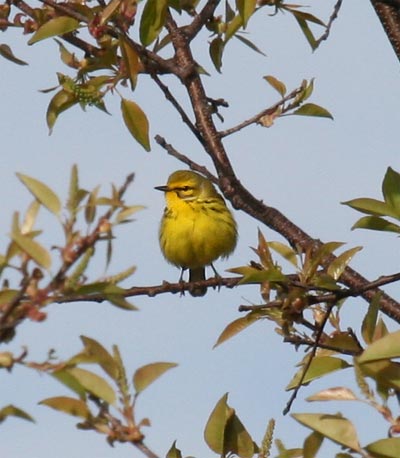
[185, 188]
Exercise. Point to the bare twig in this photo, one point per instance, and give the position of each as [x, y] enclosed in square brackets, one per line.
[181, 157]
[309, 360]
[333, 17]
[168, 95]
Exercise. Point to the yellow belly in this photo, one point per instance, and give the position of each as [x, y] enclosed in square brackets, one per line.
[194, 234]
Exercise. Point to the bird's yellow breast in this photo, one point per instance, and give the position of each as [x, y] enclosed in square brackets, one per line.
[194, 233]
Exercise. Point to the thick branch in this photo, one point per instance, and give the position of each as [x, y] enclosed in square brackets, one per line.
[388, 12]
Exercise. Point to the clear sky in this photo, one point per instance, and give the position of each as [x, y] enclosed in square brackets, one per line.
[303, 166]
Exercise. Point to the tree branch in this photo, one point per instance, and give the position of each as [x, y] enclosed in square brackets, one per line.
[388, 12]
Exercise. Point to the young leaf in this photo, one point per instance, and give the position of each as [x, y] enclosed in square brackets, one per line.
[384, 448]
[320, 366]
[101, 356]
[276, 84]
[94, 384]
[249, 44]
[152, 21]
[59, 103]
[371, 207]
[338, 393]
[71, 406]
[368, 326]
[42, 193]
[391, 189]
[334, 427]
[385, 348]
[7, 53]
[131, 60]
[312, 444]
[214, 433]
[246, 9]
[311, 109]
[148, 374]
[337, 267]
[39, 254]
[236, 326]
[375, 223]
[174, 452]
[12, 411]
[60, 25]
[216, 50]
[136, 122]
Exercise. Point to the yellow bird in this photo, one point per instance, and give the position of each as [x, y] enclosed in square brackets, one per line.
[197, 227]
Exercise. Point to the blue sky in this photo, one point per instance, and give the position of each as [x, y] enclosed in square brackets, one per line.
[303, 166]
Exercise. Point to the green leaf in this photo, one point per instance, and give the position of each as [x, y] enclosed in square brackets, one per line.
[68, 380]
[136, 122]
[39, 254]
[246, 9]
[391, 190]
[152, 20]
[58, 26]
[371, 207]
[214, 433]
[149, 373]
[120, 302]
[312, 444]
[7, 53]
[285, 251]
[12, 411]
[368, 326]
[255, 276]
[216, 50]
[375, 223]
[337, 267]
[174, 452]
[225, 433]
[311, 109]
[71, 406]
[235, 327]
[94, 384]
[334, 427]
[60, 102]
[42, 193]
[385, 348]
[126, 212]
[232, 27]
[320, 366]
[99, 354]
[249, 44]
[131, 60]
[384, 448]
[276, 84]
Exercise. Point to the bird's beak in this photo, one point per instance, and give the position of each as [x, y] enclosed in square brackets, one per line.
[162, 188]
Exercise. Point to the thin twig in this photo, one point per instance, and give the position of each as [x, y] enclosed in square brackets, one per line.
[297, 341]
[150, 291]
[254, 119]
[310, 359]
[63, 8]
[181, 157]
[333, 17]
[168, 95]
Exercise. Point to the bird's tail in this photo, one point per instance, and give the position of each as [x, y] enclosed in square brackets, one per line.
[198, 274]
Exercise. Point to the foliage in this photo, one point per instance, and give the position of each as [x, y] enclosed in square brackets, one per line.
[305, 303]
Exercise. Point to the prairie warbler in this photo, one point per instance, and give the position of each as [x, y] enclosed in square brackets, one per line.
[196, 227]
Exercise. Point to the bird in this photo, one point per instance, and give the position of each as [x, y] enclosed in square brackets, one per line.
[196, 227]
